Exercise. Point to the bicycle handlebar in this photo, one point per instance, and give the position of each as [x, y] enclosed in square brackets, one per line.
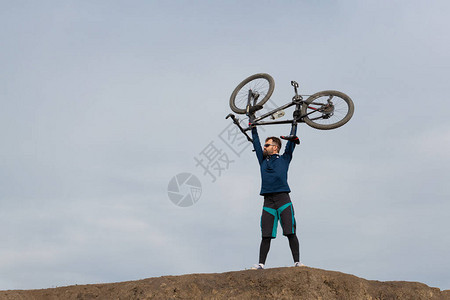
[295, 85]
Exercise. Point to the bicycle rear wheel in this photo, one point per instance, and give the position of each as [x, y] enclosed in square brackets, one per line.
[327, 110]
[261, 83]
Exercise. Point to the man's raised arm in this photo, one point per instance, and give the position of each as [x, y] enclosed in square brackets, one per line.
[257, 145]
[292, 141]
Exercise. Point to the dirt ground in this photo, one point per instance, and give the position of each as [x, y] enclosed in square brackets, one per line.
[277, 283]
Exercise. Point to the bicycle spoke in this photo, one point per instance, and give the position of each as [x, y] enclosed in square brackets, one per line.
[321, 112]
[260, 86]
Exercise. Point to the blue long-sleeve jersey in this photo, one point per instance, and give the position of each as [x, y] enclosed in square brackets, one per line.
[274, 168]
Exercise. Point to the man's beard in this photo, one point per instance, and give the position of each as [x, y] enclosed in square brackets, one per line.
[265, 153]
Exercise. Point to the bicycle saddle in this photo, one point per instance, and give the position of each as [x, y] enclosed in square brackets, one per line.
[292, 138]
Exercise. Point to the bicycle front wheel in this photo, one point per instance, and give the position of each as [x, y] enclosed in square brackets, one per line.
[327, 110]
[260, 83]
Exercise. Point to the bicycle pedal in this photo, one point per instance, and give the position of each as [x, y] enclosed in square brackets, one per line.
[277, 115]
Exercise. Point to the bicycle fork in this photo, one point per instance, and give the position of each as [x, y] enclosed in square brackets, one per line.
[250, 112]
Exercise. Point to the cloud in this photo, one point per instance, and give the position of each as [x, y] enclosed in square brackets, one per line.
[103, 104]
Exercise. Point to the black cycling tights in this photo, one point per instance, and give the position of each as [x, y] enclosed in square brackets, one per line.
[293, 244]
[264, 249]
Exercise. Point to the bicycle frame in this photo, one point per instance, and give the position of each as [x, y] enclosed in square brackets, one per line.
[256, 121]
[251, 109]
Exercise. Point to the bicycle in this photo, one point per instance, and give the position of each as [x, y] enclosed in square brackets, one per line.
[323, 110]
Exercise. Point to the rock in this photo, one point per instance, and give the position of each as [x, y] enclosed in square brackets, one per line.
[277, 283]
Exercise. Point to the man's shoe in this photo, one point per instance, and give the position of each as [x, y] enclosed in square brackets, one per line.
[258, 267]
[298, 264]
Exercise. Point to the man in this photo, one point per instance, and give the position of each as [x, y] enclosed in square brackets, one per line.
[275, 189]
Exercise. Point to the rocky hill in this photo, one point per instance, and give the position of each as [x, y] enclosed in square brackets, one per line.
[278, 283]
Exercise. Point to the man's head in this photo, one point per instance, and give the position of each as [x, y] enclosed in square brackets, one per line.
[272, 145]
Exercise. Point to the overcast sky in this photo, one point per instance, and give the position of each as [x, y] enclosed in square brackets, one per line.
[104, 102]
